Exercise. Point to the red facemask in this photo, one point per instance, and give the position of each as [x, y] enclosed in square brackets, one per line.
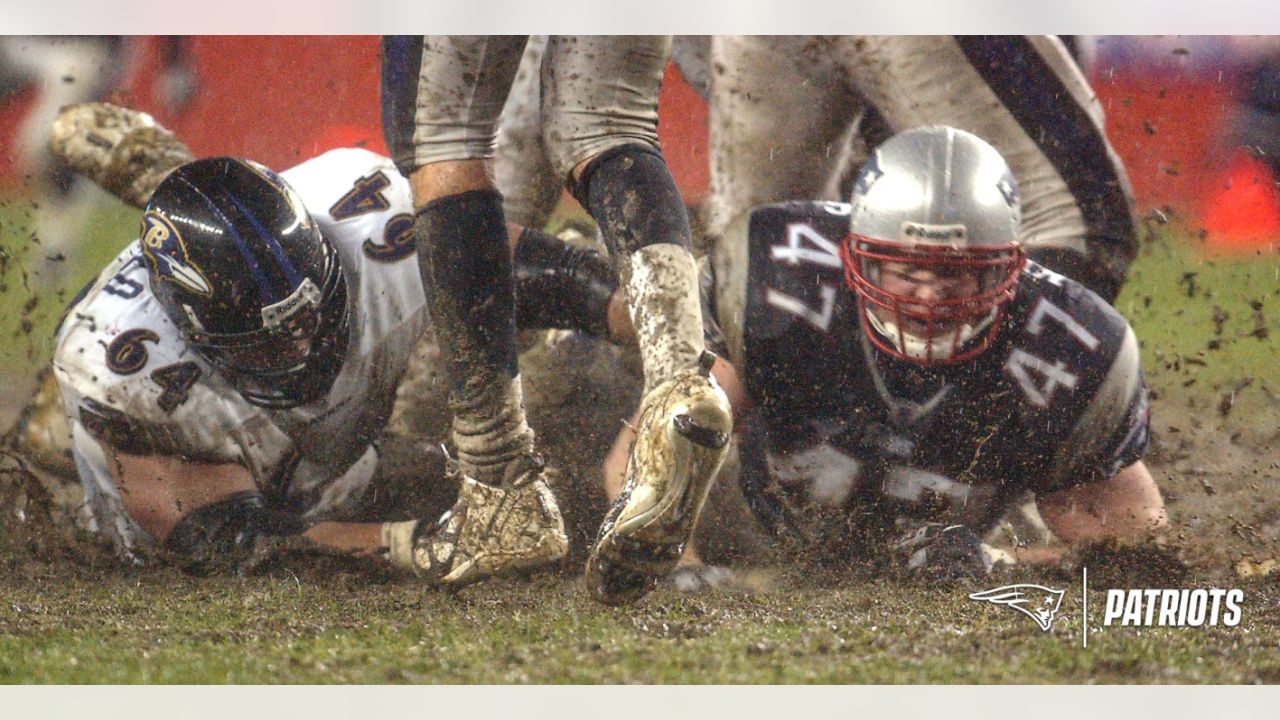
[931, 304]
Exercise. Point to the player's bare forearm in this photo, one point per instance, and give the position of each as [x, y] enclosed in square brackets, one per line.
[1126, 507]
[159, 491]
[355, 539]
[1038, 555]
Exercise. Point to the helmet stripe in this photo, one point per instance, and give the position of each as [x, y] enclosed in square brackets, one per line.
[272, 244]
[264, 285]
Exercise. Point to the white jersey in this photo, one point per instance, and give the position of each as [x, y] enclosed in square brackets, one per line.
[128, 378]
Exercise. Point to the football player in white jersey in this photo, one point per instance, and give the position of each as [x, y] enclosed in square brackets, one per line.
[905, 367]
[228, 375]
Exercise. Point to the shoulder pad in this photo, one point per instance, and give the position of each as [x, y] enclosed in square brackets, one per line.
[362, 204]
[795, 271]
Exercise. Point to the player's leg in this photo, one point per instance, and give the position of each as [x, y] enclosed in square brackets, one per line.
[780, 117]
[600, 109]
[525, 176]
[123, 150]
[442, 98]
[1026, 96]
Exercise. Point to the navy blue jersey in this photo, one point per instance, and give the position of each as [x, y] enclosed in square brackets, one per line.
[1057, 400]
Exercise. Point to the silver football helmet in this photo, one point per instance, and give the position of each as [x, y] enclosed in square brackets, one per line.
[933, 248]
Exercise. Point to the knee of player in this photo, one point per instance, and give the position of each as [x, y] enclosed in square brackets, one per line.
[437, 180]
[630, 192]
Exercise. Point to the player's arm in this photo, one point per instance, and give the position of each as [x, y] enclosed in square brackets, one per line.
[199, 509]
[1090, 500]
[1127, 506]
[563, 285]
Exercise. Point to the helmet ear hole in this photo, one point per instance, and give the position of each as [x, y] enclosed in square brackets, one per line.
[933, 250]
[242, 270]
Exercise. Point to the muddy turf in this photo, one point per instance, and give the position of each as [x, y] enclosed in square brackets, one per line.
[1209, 329]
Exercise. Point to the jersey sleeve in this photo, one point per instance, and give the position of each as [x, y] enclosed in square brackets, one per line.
[125, 375]
[796, 305]
[1112, 432]
[364, 207]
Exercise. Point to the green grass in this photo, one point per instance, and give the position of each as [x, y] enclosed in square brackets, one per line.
[169, 629]
[93, 625]
[1206, 327]
[35, 291]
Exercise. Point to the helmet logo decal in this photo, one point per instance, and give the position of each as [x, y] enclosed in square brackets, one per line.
[950, 235]
[306, 296]
[167, 255]
[1010, 193]
[868, 175]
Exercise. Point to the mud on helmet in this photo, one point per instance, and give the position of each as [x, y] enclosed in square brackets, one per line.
[240, 267]
[943, 203]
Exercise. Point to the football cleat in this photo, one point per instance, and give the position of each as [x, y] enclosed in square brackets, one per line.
[125, 151]
[490, 530]
[681, 442]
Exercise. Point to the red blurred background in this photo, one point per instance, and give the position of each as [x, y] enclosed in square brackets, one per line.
[283, 99]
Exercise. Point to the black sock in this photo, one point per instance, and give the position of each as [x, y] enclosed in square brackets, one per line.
[633, 198]
[467, 276]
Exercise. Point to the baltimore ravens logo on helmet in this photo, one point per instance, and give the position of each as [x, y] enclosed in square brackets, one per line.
[164, 250]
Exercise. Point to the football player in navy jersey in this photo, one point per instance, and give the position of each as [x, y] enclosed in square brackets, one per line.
[1024, 95]
[903, 367]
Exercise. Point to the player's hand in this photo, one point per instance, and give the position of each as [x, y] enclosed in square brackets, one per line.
[945, 552]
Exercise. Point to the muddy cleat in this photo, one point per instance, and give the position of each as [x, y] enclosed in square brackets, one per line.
[123, 150]
[490, 530]
[681, 442]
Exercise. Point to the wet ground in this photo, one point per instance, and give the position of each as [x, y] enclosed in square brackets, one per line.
[68, 613]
